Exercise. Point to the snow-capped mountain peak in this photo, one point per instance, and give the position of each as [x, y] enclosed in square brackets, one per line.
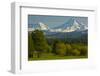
[72, 25]
[43, 26]
[75, 26]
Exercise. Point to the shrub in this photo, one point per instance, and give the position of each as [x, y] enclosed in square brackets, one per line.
[76, 52]
[83, 51]
[60, 49]
[68, 49]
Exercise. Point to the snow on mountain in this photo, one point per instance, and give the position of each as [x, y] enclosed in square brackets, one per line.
[43, 26]
[75, 27]
[30, 29]
[70, 26]
[40, 26]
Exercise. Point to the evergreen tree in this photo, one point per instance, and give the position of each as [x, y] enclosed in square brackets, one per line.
[31, 47]
[40, 42]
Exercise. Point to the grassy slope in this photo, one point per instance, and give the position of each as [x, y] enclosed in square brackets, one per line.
[56, 57]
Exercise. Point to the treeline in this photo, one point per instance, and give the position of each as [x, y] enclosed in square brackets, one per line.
[81, 40]
[39, 44]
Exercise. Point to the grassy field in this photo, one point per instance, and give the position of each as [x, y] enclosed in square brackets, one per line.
[56, 57]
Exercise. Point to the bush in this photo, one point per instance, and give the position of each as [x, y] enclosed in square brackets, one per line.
[83, 51]
[76, 52]
[81, 48]
[68, 49]
[60, 49]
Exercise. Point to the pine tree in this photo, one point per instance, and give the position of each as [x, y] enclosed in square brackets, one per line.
[31, 47]
[40, 42]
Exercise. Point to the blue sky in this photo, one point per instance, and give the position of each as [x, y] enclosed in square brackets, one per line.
[53, 21]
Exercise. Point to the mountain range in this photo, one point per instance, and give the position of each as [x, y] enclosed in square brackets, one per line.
[70, 29]
[69, 26]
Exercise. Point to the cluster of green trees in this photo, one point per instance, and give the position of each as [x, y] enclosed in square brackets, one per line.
[38, 44]
[65, 49]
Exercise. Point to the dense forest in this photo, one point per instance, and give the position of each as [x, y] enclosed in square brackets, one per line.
[41, 47]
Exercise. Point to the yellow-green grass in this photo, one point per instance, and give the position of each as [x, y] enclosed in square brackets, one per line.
[56, 57]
